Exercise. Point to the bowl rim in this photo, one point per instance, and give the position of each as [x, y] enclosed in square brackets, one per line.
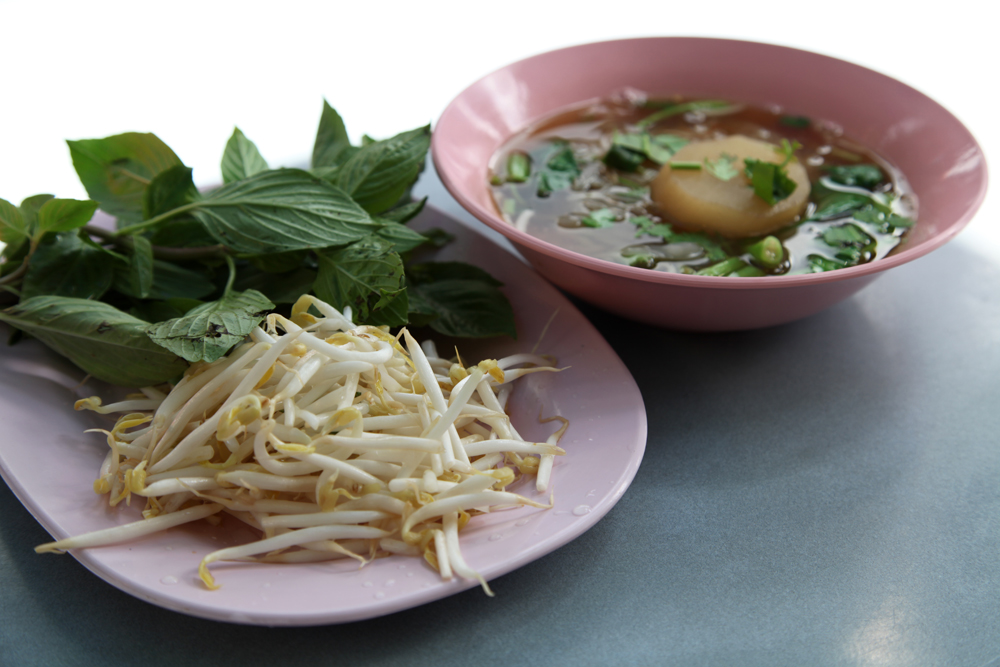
[523, 240]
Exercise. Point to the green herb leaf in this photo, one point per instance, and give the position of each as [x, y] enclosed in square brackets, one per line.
[368, 276]
[885, 222]
[29, 212]
[140, 267]
[279, 210]
[724, 168]
[332, 147]
[63, 215]
[182, 232]
[401, 237]
[280, 262]
[558, 170]
[102, 340]
[13, 230]
[769, 181]
[116, 170]
[429, 272]
[600, 218]
[463, 308]
[819, 264]
[168, 190]
[174, 281]
[795, 121]
[241, 158]
[404, 212]
[621, 158]
[159, 311]
[846, 235]
[209, 331]
[71, 266]
[279, 288]
[379, 174]
[713, 249]
[838, 203]
[866, 176]
[673, 109]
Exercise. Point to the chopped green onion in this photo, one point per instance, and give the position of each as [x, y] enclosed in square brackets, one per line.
[749, 272]
[768, 252]
[518, 167]
[685, 164]
[724, 268]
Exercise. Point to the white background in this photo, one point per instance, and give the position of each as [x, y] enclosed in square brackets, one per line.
[190, 71]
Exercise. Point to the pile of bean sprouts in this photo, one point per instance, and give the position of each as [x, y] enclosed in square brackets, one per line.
[330, 439]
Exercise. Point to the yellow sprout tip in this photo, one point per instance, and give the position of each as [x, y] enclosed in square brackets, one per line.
[206, 576]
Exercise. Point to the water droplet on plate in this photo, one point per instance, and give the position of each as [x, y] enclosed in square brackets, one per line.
[495, 536]
[521, 522]
[368, 584]
[580, 510]
[379, 595]
[169, 580]
[391, 582]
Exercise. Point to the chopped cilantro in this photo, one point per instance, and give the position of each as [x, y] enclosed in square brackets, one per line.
[666, 232]
[600, 218]
[558, 171]
[623, 158]
[724, 168]
[885, 222]
[866, 176]
[769, 180]
[796, 121]
[819, 264]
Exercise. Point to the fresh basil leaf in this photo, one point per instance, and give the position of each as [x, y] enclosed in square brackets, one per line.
[159, 311]
[331, 139]
[182, 232]
[600, 218]
[838, 203]
[724, 168]
[866, 176]
[280, 287]
[116, 170]
[210, 330]
[401, 237]
[241, 158]
[558, 170]
[368, 276]
[464, 308]
[379, 174]
[171, 188]
[419, 274]
[71, 266]
[13, 230]
[281, 210]
[437, 237]
[29, 212]
[63, 215]
[174, 281]
[280, 262]
[102, 340]
[140, 267]
[404, 212]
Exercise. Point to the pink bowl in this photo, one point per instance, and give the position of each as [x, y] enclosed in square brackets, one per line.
[938, 155]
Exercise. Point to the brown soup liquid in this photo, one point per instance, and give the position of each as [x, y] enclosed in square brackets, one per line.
[860, 207]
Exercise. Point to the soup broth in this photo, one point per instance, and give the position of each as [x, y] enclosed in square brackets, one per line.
[590, 179]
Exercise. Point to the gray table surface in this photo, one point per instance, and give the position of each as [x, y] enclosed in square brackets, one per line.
[826, 492]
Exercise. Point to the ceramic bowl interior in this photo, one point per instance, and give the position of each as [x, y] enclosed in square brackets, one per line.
[937, 154]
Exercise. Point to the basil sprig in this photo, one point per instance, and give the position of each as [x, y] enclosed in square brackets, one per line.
[187, 274]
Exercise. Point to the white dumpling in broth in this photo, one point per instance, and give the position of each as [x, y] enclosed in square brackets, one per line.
[697, 199]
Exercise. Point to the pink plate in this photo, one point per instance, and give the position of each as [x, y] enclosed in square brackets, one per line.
[50, 464]
[938, 155]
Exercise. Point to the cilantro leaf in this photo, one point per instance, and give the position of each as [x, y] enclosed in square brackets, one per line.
[770, 182]
[666, 232]
[558, 171]
[724, 168]
[866, 176]
[600, 218]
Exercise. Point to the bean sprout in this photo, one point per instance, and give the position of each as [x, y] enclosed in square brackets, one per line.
[331, 439]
